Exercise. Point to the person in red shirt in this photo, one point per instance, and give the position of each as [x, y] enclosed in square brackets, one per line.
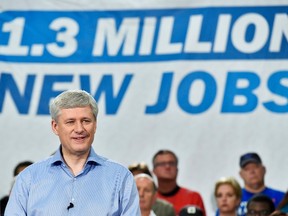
[165, 168]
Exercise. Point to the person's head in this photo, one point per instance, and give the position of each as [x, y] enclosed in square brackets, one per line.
[165, 164]
[260, 205]
[228, 194]
[138, 168]
[74, 115]
[147, 191]
[252, 170]
[21, 166]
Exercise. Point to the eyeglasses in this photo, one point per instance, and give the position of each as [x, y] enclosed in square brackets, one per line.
[258, 213]
[166, 163]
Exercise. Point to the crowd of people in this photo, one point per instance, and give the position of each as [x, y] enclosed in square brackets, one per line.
[255, 198]
[76, 180]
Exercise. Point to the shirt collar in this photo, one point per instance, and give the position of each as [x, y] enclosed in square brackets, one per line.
[92, 157]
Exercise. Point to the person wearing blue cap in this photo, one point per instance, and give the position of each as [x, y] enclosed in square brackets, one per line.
[253, 173]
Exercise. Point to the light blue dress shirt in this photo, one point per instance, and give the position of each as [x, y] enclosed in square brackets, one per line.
[48, 188]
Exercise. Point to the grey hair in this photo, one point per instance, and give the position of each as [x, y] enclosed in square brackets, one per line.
[72, 99]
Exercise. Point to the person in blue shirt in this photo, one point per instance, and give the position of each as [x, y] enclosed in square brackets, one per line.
[253, 172]
[283, 205]
[75, 180]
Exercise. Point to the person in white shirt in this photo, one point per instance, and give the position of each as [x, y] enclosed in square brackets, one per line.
[147, 193]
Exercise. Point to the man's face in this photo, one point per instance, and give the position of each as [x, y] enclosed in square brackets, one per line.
[253, 174]
[76, 128]
[147, 193]
[165, 167]
[258, 209]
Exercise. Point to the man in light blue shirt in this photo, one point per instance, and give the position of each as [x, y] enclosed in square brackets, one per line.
[75, 180]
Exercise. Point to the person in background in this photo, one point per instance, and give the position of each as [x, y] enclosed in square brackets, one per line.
[160, 207]
[75, 180]
[278, 213]
[165, 168]
[261, 205]
[147, 193]
[191, 210]
[137, 168]
[19, 167]
[282, 208]
[253, 173]
[228, 196]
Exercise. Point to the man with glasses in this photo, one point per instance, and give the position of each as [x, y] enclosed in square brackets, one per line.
[165, 168]
[260, 205]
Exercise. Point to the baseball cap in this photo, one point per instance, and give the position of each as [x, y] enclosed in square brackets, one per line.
[251, 157]
[191, 210]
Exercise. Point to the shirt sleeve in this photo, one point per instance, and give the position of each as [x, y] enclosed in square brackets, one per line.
[17, 203]
[130, 199]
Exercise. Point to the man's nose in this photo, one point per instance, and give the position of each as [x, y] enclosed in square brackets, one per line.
[79, 127]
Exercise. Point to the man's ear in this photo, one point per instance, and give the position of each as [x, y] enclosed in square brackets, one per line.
[154, 197]
[241, 173]
[95, 126]
[153, 170]
[264, 170]
[54, 126]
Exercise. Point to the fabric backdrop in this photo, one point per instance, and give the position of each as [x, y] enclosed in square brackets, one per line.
[206, 79]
